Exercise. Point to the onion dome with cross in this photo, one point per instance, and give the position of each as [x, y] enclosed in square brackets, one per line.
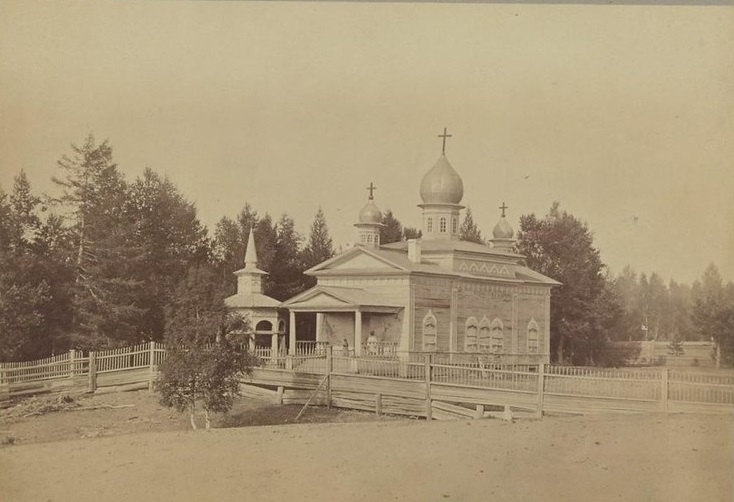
[442, 184]
[503, 230]
[370, 213]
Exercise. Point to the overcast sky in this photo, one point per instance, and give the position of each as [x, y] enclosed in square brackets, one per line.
[623, 114]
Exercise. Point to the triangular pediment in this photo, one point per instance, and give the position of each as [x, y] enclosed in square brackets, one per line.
[357, 259]
[321, 299]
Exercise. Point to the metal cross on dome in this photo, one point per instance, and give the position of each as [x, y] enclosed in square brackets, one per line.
[371, 188]
[503, 207]
[444, 136]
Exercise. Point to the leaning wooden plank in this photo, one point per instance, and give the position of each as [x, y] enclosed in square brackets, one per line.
[459, 411]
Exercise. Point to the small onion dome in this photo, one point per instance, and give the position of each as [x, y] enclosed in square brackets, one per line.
[442, 184]
[370, 213]
[503, 230]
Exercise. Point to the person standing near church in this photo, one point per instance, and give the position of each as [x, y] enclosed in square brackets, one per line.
[372, 344]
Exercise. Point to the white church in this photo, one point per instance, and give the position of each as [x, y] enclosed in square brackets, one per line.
[433, 294]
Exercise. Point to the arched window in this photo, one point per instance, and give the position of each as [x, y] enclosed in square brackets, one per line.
[498, 336]
[485, 335]
[470, 335]
[533, 345]
[442, 227]
[429, 225]
[429, 332]
[264, 326]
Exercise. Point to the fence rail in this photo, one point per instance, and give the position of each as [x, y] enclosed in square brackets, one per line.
[458, 378]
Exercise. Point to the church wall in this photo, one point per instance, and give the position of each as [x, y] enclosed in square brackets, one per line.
[434, 294]
[532, 304]
[485, 299]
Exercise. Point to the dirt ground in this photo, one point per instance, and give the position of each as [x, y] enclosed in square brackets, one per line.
[146, 452]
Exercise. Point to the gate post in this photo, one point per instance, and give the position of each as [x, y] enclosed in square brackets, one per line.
[151, 367]
[541, 389]
[429, 407]
[664, 389]
[72, 364]
[92, 371]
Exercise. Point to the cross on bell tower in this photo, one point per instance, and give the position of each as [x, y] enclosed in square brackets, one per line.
[371, 188]
[503, 207]
[444, 136]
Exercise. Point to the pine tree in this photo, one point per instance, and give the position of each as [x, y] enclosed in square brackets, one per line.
[392, 229]
[171, 239]
[286, 278]
[469, 231]
[104, 291]
[319, 247]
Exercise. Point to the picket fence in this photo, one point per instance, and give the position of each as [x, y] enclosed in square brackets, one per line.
[418, 384]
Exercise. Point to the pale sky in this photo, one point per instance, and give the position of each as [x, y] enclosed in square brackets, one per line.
[623, 114]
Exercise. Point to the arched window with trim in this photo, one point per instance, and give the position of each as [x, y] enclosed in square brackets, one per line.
[485, 335]
[429, 332]
[429, 225]
[498, 336]
[264, 326]
[533, 338]
[471, 331]
[442, 227]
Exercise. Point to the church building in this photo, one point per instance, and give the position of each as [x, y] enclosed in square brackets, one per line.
[433, 294]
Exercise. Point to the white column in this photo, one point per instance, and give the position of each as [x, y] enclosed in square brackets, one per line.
[319, 326]
[292, 333]
[274, 345]
[357, 333]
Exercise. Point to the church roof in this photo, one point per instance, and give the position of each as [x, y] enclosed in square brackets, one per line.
[251, 300]
[339, 298]
[440, 245]
[392, 259]
[442, 184]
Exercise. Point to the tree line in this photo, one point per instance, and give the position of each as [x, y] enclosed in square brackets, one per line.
[105, 262]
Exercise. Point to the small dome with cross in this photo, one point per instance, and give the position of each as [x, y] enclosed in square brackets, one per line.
[503, 230]
[370, 213]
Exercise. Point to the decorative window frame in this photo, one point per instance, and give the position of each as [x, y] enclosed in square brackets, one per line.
[484, 341]
[442, 225]
[498, 336]
[471, 335]
[430, 332]
[533, 337]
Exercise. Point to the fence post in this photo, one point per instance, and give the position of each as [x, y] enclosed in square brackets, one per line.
[72, 357]
[541, 389]
[429, 407]
[664, 388]
[92, 371]
[329, 370]
[151, 370]
[4, 385]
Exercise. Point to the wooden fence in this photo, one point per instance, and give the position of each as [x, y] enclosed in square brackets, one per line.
[114, 369]
[428, 385]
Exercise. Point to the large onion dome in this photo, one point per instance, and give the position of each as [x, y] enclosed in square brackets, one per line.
[442, 184]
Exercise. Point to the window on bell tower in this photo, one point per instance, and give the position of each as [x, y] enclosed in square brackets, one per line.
[429, 225]
[442, 228]
[454, 225]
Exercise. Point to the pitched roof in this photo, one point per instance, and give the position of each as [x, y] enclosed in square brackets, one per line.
[339, 296]
[251, 300]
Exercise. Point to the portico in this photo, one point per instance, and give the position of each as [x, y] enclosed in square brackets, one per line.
[344, 314]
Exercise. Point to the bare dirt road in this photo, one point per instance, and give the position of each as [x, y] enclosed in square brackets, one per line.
[603, 458]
